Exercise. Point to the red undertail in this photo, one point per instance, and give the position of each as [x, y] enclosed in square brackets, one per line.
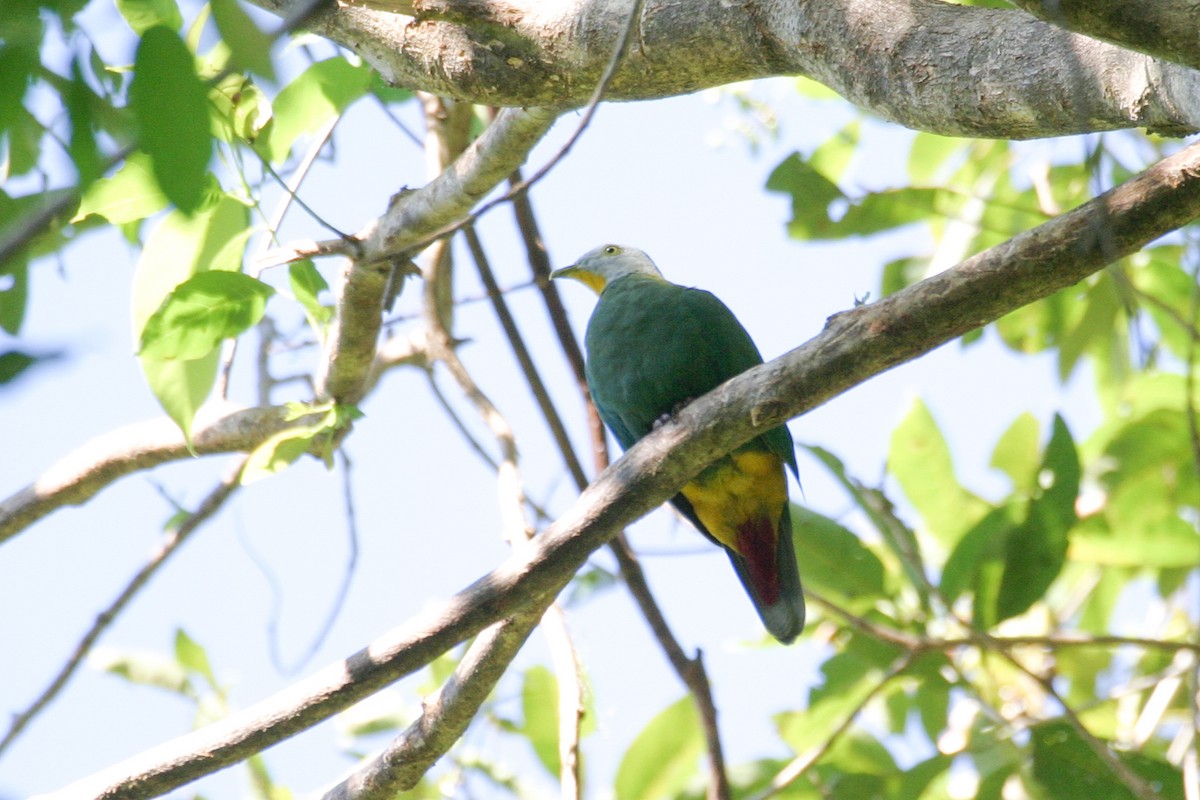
[756, 542]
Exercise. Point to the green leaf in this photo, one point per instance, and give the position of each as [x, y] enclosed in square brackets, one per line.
[181, 387]
[836, 561]
[193, 657]
[664, 756]
[901, 273]
[278, 452]
[976, 561]
[240, 110]
[85, 153]
[310, 101]
[899, 538]
[835, 153]
[203, 311]
[919, 457]
[1168, 289]
[1016, 453]
[13, 363]
[1161, 543]
[168, 100]
[14, 295]
[539, 704]
[142, 15]
[817, 211]
[929, 155]
[130, 194]
[1067, 767]
[142, 667]
[811, 192]
[1094, 332]
[284, 448]
[249, 46]
[178, 247]
[307, 285]
[1036, 550]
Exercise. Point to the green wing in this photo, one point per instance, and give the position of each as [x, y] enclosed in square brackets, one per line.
[654, 346]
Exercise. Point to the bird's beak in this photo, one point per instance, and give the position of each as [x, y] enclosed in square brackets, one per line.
[585, 276]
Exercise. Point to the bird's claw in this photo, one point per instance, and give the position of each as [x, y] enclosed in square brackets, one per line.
[670, 415]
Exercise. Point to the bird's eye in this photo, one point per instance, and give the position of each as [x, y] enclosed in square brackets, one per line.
[611, 250]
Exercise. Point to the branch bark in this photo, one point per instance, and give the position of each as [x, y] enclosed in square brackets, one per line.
[412, 220]
[79, 476]
[854, 346]
[1165, 29]
[929, 65]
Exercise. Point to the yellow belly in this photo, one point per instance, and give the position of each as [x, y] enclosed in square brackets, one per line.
[744, 486]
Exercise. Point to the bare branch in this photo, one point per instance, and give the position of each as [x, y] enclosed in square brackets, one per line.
[76, 478]
[350, 346]
[444, 717]
[854, 346]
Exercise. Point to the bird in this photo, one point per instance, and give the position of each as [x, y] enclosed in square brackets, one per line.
[653, 347]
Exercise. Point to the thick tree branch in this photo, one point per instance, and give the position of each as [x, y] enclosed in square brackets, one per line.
[1165, 29]
[928, 65]
[77, 478]
[854, 346]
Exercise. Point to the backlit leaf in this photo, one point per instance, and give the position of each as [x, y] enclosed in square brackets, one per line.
[202, 311]
[919, 457]
[142, 15]
[539, 702]
[249, 46]
[130, 194]
[316, 96]
[665, 755]
[168, 99]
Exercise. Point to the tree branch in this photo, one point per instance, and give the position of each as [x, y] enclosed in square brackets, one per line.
[928, 65]
[77, 477]
[853, 347]
[412, 217]
[444, 716]
[1164, 29]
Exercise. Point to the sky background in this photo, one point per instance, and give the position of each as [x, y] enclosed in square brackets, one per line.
[669, 177]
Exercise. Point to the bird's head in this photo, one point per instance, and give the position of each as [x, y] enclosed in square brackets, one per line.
[599, 267]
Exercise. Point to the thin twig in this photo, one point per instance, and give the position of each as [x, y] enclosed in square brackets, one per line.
[343, 589]
[539, 263]
[803, 762]
[1133, 782]
[517, 342]
[172, 541]
[290, 187]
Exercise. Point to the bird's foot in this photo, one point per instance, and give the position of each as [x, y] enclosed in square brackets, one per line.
[670, 415]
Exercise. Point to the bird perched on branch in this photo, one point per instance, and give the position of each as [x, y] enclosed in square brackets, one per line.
[653, 347]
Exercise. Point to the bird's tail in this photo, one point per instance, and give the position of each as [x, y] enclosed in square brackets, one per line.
[769, 572]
